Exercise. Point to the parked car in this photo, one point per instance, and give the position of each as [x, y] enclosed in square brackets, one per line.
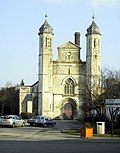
[11, 120]
[1, 117]
[41, 121]
[32, 120]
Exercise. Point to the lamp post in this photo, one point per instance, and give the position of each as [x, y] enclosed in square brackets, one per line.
[112, 122]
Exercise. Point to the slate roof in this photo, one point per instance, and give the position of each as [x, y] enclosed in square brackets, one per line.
[93, 28]
[46, 28]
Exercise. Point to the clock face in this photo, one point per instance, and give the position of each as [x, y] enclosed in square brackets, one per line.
[68, 53]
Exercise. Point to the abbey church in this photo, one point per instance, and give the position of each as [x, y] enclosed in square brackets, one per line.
[58, 92]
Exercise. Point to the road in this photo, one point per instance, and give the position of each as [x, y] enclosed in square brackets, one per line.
[57, 146]
[50, 140]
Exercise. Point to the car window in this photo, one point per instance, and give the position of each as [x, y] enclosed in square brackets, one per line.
[8, 117]
[18, 118]
[42, 119]
[34, 117]
[2, 117]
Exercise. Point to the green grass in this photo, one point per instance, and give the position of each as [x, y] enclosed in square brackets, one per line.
[77, 132]
[102, 135]
[72, 131]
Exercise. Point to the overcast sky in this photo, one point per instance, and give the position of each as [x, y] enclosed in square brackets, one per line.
[20, 21]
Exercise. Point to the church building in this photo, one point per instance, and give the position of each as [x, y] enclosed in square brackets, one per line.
[58, 93]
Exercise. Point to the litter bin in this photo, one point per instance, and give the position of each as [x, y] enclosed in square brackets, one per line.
[86, 132]
[100, 127]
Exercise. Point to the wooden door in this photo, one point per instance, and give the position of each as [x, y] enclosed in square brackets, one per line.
[68, 111]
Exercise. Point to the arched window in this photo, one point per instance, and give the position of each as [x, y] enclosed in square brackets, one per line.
[69, 87]
[46, 41]
[89, 43]
[94, 42]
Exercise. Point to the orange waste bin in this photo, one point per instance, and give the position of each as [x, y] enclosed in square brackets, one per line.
[87, 133]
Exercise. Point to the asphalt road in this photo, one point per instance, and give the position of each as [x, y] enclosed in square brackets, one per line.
[50, 140]
[57, 146]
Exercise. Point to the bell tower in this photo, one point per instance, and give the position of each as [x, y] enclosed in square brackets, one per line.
[93, 66]
[45, 67]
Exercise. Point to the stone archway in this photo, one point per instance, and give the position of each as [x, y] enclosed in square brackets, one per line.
[69, 109]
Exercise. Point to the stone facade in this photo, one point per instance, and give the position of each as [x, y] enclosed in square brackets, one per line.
[58, 92]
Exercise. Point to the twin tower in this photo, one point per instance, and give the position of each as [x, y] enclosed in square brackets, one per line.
[59, 91]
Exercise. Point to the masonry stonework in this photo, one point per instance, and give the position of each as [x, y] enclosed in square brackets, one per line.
[58, 91]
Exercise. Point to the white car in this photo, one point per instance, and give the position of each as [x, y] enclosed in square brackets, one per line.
[12, 121]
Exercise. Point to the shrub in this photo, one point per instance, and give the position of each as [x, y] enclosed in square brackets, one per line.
[116, 132]
[26, 115]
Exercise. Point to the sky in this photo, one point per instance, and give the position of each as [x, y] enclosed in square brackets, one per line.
[20, 21]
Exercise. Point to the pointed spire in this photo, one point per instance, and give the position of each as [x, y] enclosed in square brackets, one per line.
[93, 28]
[45, 28]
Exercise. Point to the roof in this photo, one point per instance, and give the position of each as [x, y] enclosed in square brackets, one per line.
[46, 28]
[69, 44]
[93, 28]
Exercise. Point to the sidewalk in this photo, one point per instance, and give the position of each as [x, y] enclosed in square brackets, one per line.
[102, 140]
[95, 138]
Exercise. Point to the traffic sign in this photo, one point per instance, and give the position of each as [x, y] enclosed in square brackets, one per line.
[112, 103]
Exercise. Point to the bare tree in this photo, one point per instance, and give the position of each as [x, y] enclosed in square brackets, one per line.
[9, 98]
[93, 102]
[108, 88]
[2, 99]
[110, 82]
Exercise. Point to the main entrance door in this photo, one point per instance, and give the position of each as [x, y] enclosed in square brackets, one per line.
[69, 109]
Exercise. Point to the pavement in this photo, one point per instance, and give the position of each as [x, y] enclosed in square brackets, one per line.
[101, 139]
[54, 134]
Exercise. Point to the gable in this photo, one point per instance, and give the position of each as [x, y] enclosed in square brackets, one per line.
[68, 45]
